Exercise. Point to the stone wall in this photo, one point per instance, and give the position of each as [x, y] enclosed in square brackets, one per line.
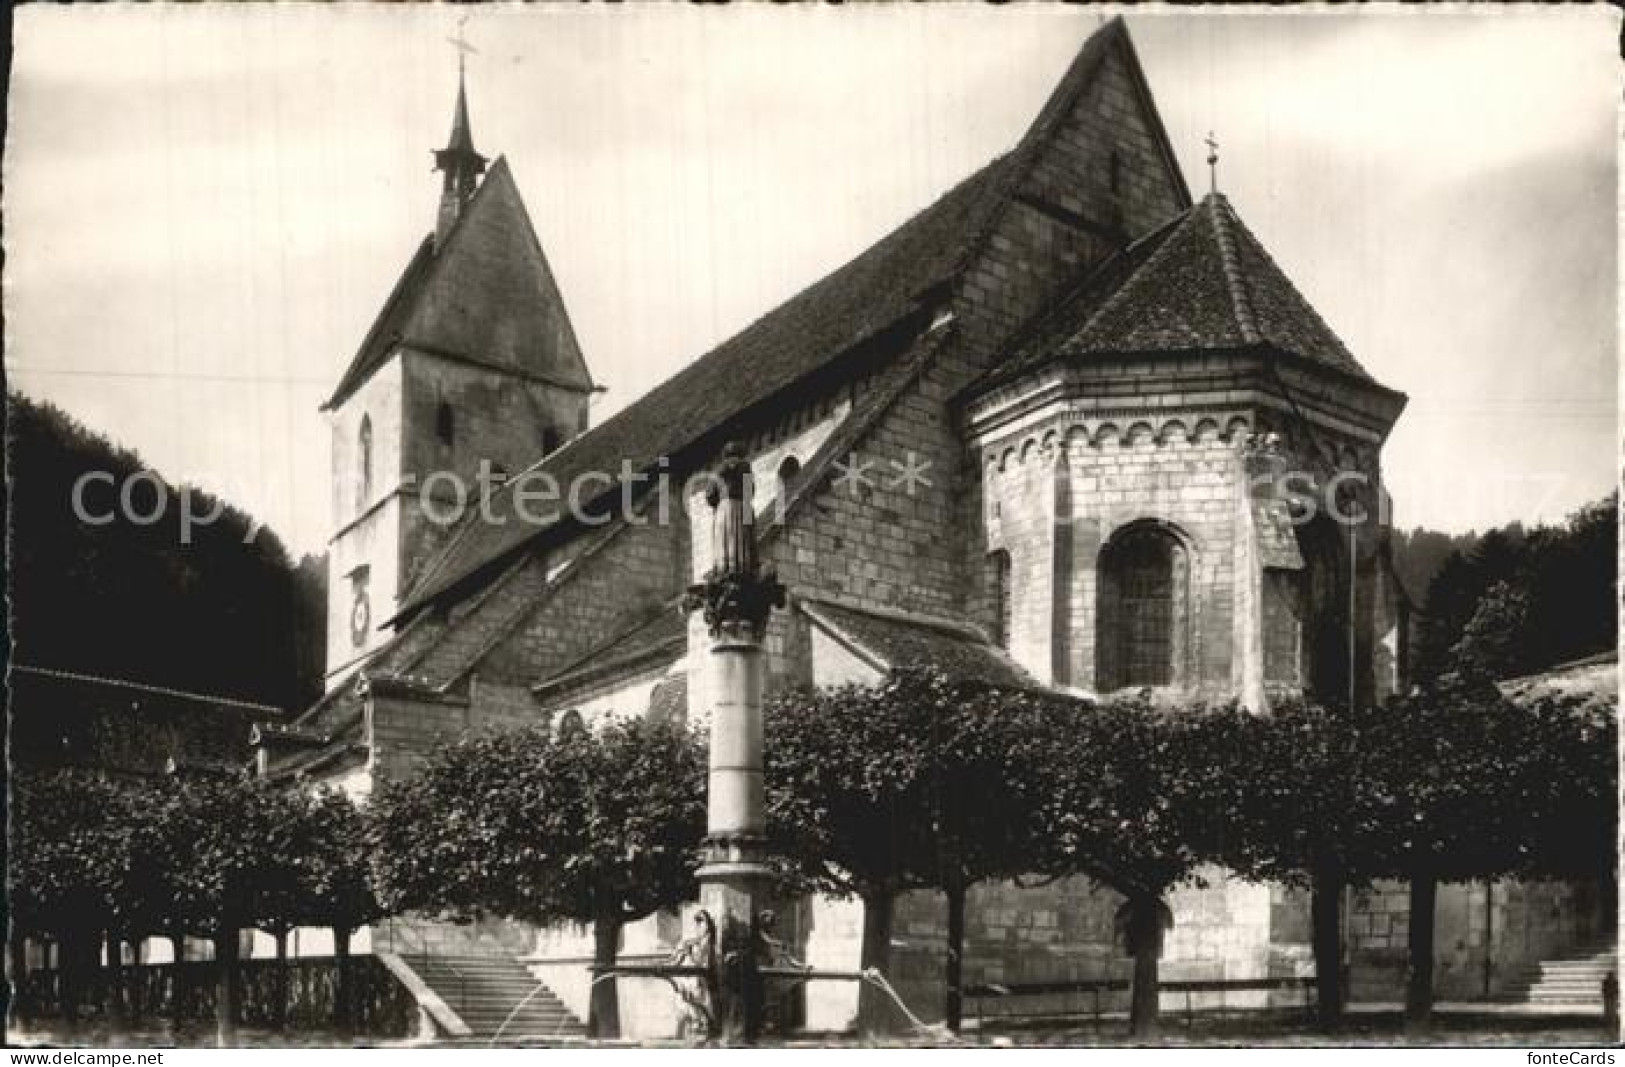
[1053, 502]
[1100, 180]
[1485, 935]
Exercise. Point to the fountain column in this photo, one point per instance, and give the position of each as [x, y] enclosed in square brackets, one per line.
[737, 597]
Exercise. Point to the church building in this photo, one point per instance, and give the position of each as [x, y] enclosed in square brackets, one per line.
[1069, 425]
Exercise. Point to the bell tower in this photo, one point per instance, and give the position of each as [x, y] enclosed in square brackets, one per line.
[470, 372]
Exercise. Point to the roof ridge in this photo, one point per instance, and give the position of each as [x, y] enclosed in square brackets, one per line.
[1219, 209]
[426, 260]
[144, 687]
[1168, 230]
[959, 203]
[1024, 156]
[1314, 313]
[959, 628]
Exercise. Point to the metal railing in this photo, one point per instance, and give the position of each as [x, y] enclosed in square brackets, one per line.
[997, 991]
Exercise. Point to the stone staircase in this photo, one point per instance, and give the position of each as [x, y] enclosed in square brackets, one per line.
[485, 989]
[1571, 980]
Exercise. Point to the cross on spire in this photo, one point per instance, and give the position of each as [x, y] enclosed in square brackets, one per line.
[460, 163]
[1212, 161]
[464, 49]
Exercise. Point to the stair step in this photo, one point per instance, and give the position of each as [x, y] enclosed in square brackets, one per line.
[485, 991]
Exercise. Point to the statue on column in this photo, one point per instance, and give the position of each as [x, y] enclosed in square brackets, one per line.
[730, 498]
[734, 593]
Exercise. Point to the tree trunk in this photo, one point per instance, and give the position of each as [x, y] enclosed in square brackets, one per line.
[875, 1016]
[279, 1009]
[228, 987]
[17, 944]
[1326, 921]
[1145, 932]
[137, 984]
[343, 1013]
[67, 975]
[1419, 986]
[953, 1007]
[604, 1006]
[115, 976]
[177, 988]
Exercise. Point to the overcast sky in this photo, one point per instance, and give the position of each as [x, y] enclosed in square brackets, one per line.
[205, 206]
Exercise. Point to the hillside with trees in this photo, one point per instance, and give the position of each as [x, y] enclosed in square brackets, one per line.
[1514, 600]
[229, 613]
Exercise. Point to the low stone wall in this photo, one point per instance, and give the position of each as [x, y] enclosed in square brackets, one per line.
[381, 1006]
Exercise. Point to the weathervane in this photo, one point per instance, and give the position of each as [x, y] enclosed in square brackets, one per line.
[1212, 161]
[464, 49]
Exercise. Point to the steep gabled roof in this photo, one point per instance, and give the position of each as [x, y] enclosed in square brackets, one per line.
[871, 294]
[1201, 282]
[828, 319]
[487, 296]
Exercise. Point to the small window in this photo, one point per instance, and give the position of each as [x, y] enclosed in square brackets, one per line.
[998, 570]
[445, 425]
[364, 462]
[550, 441]
[789, 471]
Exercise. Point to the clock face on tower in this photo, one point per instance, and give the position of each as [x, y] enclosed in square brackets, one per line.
[360, 617]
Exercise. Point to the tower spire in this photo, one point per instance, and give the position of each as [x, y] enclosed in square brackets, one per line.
[460, 163]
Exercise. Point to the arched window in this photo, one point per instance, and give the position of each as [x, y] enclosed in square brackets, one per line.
[445, 424]
[789, 470]
[998, 577]
[1141, 611]
[363, 484]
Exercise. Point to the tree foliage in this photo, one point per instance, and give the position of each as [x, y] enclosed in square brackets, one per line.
[239, 617]
[579, 826]
[1514, 601]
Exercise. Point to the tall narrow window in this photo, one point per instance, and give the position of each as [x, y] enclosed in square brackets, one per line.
[363, 483]
[445, 425]
[1116, 167]
[550, 440]
[1141, 608]
[998, 568]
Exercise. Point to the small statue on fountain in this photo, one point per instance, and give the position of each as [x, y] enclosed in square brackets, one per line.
[699, 951]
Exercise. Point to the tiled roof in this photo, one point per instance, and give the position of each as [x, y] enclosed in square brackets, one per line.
[1201, 282]
[874, 292]
[898, 640]
[828, 319]
[664, 635]
[64, 718]
[486, 297]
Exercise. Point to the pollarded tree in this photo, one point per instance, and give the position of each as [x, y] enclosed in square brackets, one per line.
[1309, 809]
[598, 827]
[985, 796]
[67, 844]
[1137, 798]
[1451, 766]
[221, 836]
[853, 792]
[336, 887]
